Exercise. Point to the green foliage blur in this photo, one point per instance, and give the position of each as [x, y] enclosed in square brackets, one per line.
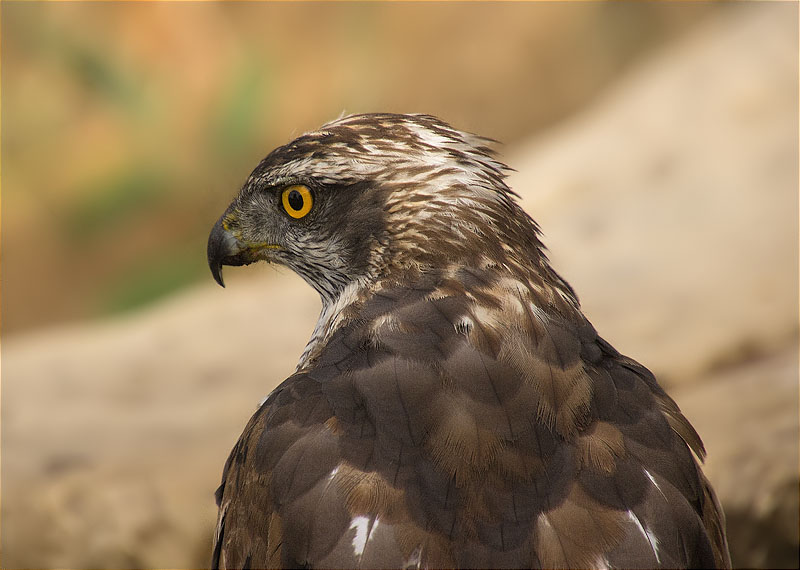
[127, 127]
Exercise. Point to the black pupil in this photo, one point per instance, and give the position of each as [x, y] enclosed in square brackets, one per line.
[295, 200]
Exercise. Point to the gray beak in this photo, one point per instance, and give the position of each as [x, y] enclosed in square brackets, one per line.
[223, 249]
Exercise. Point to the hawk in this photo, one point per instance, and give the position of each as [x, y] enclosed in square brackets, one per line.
[454, 407]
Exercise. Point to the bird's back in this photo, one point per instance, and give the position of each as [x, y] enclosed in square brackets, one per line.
[454, 423]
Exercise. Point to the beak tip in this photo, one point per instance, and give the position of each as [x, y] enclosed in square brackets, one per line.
[217, 273]
[219, 247]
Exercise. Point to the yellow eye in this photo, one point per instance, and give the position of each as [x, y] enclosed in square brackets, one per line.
[297, 201]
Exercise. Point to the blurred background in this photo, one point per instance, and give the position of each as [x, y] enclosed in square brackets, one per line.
[127, 128]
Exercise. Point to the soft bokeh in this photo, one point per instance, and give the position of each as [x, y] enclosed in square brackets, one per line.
[656, 144]
[127, 126]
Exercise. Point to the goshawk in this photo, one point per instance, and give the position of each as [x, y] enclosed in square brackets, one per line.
[453, 408]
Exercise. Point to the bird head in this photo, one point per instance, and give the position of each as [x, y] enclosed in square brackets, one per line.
[373, 195]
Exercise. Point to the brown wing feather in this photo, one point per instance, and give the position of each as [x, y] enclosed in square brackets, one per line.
[430, 432]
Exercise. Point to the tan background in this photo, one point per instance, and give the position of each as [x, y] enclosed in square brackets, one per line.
[656, 144]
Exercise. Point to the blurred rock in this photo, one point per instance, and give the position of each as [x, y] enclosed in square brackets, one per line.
[747, 415]
[114, 434]
[671, 207]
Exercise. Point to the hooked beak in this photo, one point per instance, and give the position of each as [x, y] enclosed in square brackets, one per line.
[223, 249]
[226, 248]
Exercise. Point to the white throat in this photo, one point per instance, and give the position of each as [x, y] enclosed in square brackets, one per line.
[329, 320]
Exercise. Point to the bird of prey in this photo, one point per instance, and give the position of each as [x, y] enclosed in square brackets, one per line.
[454, 408]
